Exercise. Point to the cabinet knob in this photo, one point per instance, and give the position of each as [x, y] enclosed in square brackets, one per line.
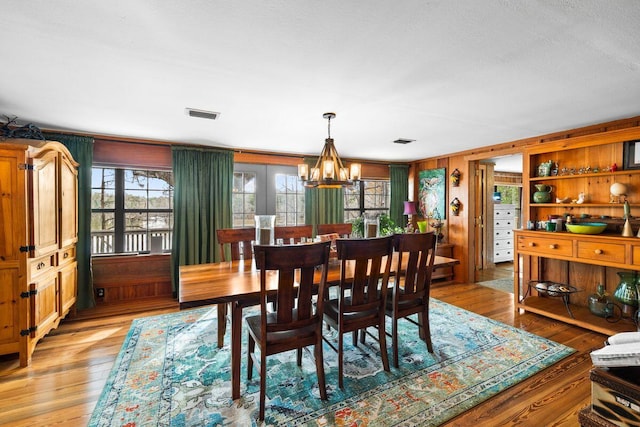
[532, 244]
[66, 255]
[553, 246]
[598, 251]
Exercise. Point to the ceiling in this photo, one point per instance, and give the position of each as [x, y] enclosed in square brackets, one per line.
[452, 75]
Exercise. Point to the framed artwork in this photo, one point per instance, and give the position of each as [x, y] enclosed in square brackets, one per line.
[631, 154]
[431, 192]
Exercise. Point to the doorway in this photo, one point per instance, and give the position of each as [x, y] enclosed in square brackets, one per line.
[497, 204]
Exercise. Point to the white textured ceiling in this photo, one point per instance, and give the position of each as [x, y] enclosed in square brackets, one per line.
[450, 74]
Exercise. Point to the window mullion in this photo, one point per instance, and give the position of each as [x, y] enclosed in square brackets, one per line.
[119, 226]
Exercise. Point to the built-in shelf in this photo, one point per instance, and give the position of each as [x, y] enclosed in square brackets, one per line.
[584, 205]
[584, 175]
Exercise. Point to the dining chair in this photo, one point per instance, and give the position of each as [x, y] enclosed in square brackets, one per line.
[361, 300]
[293, 233]
[343, 229]
[410, 291]
[297, 319]
[239, 240]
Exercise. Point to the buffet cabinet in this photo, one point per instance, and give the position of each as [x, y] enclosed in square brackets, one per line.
[38, 219]
[571, 179]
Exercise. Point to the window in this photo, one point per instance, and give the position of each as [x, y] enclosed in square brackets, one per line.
[267, 190]
[244, 199]
[289, 200]
[131, 210]
[367, 197]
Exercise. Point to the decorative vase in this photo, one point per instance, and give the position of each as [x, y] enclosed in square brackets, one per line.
[627, 293]
[265, 227]
[542, 194]
[422, 226]
[599, 303]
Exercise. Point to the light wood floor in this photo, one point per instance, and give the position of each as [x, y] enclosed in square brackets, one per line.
[70, 367]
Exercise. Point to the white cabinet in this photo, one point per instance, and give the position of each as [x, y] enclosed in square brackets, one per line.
[503, 224]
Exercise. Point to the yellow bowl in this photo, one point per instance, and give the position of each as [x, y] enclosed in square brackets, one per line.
[587, 227]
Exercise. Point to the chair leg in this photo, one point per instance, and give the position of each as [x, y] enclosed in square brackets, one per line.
[222, 323]
[340, 339]
[299, 356]
[426, 330]
[394, 341]
[263, 383]
[250, 351]
[355, 338]
[382, 339]
[320, 369]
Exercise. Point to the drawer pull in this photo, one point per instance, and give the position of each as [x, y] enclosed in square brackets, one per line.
[532, 244]
[553, 246]
[598, 251]
[66, 255]
[41, 265]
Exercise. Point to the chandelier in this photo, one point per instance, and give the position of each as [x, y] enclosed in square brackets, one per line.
[329, 171]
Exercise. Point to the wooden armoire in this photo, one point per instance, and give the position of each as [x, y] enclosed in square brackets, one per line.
[38, 235]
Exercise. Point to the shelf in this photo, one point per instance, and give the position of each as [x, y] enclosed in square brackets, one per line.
[555, 309]
[585, 175]
[583, 205]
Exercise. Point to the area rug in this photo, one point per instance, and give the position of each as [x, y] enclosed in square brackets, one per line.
[171, 373]
[504, 285]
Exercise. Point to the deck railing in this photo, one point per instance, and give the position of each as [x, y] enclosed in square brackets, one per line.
[102, 242]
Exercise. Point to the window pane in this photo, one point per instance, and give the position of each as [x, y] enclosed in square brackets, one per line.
[289, 210]
[102, 232]
[159, 199]
[135, 199]
[103, 178]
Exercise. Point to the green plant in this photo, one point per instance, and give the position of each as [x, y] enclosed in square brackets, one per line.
[387, 226]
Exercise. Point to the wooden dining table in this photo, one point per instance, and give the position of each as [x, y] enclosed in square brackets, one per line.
[238, 283]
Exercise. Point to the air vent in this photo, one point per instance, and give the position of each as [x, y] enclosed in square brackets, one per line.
[202, 114]
[403, 141]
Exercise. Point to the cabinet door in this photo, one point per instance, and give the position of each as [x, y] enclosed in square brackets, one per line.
[44, 221]
[45, 305]
[67, 277]
[68, 202]
[13, 221]
[9, 314]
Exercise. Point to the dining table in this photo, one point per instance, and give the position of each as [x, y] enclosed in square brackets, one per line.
[238, 283]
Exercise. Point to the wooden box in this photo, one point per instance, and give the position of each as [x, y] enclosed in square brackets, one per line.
[615, 395]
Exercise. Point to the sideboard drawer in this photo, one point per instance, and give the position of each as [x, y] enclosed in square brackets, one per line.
[611, 252]
[545, 246]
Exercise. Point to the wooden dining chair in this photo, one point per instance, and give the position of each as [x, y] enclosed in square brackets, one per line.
[293, 233]
[361, 300]
[239, 240]
[343, 229]
[297, 319]
[410, 291]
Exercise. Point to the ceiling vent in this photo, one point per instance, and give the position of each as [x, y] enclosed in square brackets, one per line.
[202, 114]
[403, 141]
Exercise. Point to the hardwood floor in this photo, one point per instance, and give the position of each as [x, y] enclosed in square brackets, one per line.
[71, 365]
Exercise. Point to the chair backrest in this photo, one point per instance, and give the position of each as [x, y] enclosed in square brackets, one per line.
[365, 269]
[293, 233]
[296, 266]
[343, 229]
[419, 250]
[240, 241]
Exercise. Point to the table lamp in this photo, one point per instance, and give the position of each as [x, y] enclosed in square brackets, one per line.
[409, 210]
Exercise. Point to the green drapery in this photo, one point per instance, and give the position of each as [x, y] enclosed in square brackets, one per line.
[322, 205]
[81, 148]
[201, 205]
[399, 183]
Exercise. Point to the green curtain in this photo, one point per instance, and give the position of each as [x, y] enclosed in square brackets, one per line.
[202, 204]
[81, 148]
[399, 183]
[322, 205]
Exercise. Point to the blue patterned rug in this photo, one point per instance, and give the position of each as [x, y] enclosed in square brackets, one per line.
[171, 373]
